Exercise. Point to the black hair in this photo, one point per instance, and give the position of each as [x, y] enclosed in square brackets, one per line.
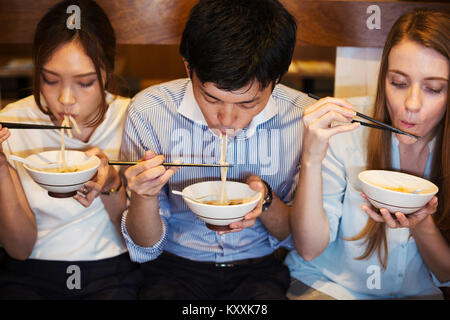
[96, 36]
[234, 42]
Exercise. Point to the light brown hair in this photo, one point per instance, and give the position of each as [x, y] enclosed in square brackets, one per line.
[430, 29]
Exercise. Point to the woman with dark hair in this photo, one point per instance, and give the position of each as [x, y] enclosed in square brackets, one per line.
[346, 249]
[68, 247]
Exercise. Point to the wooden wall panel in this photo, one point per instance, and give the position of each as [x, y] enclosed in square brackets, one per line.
[321, 23]
[343, 23]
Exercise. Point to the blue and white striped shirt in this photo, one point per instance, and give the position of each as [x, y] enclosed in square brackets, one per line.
[167, 120]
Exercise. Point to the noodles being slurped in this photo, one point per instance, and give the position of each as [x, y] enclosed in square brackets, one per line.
[66, 122]
[223, 170]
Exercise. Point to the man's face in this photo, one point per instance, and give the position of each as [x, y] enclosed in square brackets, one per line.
[229, 111]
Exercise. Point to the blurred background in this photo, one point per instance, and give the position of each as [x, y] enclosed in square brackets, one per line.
[334, 63]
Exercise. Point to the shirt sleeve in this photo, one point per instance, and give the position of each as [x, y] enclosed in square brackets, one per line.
[438, 283]
[287, 243]
[138, 134]
[143, 254]
[138, 137]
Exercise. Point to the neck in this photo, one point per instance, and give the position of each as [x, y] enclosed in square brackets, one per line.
[414, 157]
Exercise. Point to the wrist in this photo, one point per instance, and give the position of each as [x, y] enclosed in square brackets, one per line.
[268, 196]
[144, 197]
[427, 225]
[311, 163]
[114, 187]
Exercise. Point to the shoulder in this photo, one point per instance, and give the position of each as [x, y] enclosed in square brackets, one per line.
[292, 98]
[350, 144]
[118, 103]
[21, 107]
[168, 94]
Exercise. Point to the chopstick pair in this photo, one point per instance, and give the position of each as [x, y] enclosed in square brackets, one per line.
[169, 164]
[378, 125]
[15, 125]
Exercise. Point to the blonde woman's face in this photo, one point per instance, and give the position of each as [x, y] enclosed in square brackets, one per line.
[70, 85]
[416, 89]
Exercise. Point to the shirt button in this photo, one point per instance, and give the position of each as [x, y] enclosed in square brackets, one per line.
[400, 275]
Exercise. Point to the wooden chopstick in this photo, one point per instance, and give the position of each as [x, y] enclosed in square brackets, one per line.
[15, 125]
[381, 125]
[169, 164]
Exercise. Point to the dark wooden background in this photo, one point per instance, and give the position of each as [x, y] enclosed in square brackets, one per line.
[321, 23]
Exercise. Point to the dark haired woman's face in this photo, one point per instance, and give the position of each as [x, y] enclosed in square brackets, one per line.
[416, 89]
[69, 84]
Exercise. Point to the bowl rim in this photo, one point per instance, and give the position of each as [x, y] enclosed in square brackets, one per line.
[258, 198]
[97, 159]
[436, 189]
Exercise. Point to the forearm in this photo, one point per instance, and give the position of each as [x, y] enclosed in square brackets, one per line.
[18, 229]
[144, 223]
[276, 219]
[115, 203]
[433, 248]
[308, 220]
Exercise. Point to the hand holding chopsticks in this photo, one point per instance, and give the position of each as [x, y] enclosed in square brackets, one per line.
[380, 125]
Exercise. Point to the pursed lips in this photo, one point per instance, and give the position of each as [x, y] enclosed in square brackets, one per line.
[408, 124]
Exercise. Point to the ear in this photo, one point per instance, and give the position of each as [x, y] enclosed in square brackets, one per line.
[186, 66]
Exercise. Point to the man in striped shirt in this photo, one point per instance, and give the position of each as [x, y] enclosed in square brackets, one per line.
[235, 54]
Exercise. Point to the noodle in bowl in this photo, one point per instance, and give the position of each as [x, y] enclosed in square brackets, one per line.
[63, 182]
[218, 215]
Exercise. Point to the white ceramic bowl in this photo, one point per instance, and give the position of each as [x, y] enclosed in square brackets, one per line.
[217, 216]
[395, 190]
[61, 185]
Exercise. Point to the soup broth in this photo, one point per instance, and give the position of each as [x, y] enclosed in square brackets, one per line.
[67, 169]
[230, 202]
[399, 189]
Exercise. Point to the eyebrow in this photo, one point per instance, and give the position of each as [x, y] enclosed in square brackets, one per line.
[81, 75]
[429, 78]
[240, 102]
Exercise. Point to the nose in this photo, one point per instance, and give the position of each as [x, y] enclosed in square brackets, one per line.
[413, 101]
[66, 96]
[226, 115]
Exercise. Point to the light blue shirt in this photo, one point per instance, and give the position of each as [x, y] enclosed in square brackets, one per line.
[167, 120]
[336, 272]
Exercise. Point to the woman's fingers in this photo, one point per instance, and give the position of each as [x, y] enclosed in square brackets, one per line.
[329, 102]
[372, 214]
[318, 119]
[4, 134]
[399, 219]
[88, 193]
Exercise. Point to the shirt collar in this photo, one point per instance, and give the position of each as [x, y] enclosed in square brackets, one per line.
[190, 109]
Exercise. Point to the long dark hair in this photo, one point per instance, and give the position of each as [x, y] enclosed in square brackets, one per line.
[430, 29]
[96, 36]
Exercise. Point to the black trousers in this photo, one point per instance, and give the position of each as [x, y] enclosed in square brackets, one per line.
[176, 278]
[112, 278]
